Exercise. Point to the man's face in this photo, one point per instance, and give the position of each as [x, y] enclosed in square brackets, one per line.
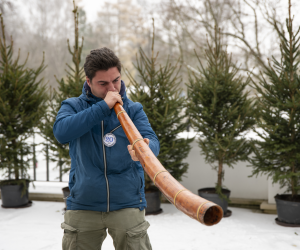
[105, 81]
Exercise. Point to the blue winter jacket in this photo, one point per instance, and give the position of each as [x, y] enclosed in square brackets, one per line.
[102, 178]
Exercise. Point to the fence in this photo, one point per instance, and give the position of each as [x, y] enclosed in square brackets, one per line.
[41, 167]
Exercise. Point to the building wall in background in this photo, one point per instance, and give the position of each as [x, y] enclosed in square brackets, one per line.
[201, 175]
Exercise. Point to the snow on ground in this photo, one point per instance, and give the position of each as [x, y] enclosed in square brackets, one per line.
[38, 228]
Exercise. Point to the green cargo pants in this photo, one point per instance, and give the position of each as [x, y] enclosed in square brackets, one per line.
[86, 230]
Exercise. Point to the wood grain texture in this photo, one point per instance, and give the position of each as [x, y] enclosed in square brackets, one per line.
[206, 212]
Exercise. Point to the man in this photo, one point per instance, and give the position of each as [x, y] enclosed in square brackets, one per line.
[106, 180]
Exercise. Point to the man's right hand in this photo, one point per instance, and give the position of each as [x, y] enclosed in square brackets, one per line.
[112, 98]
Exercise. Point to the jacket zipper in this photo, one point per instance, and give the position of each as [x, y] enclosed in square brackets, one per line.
[105, 167]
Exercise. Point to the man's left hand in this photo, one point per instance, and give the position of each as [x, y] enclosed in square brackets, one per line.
[132, 152]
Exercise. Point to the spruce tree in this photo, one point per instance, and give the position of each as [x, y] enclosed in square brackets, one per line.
[70, 86]
[277, 154]
[220, 109]
[22, 105]
[162, 100]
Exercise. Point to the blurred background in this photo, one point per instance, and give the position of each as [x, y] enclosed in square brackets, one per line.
[182, 27]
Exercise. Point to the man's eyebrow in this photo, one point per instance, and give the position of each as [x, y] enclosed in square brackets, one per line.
[107, 82]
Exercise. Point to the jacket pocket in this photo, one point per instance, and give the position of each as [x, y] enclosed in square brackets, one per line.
[137, 237]
[70, 237]
[142, 184]
[138, 179]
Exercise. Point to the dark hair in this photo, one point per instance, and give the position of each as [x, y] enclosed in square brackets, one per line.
[100, 59]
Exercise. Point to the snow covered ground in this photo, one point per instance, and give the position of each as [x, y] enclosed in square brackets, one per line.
[38, 227]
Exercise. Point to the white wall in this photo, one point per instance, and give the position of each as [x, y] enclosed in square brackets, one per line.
[273, 190]
[200, 175]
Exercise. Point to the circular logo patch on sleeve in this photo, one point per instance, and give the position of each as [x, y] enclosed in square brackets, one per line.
[109, 140]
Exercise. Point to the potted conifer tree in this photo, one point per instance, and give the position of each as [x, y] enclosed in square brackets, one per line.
[221, 112]
[22, 104]
[159, 92]
[277, 154]
[69, 87]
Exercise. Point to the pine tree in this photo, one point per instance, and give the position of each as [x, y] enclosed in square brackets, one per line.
[220, 109]
[69, 87]
[277, 154]
[22, 105]
[160, 95]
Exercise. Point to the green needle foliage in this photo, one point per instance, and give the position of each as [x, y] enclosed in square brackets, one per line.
[278, 153]
[160, 95]
[71, 86]
[220, 110]
[22, 105]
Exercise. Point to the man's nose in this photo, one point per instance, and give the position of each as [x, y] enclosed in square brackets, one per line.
[111, 87]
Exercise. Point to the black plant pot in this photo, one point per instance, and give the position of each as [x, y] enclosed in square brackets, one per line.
[11, 195]
[288, 210]
[66, 193]
[153, 203]
[211, 195]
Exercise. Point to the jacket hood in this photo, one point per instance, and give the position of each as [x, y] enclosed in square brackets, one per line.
[88, 96]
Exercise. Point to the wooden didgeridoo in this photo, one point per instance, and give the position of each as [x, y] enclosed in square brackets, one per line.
[206, 212]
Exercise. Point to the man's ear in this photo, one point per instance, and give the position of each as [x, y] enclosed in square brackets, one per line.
[88, 81]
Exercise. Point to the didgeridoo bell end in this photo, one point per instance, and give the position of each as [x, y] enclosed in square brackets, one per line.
[213, 215]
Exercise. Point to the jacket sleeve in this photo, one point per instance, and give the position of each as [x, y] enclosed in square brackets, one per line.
[141, 122]
[70, 125]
